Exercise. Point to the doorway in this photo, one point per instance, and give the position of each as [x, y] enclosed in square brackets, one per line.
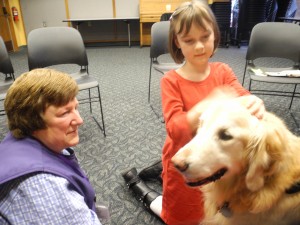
[6, 26]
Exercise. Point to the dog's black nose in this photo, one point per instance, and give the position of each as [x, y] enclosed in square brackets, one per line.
[183, 166]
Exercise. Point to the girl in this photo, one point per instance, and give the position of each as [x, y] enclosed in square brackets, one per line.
[193, 39]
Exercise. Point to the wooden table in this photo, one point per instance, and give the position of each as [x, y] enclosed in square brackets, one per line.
[126, 20]
[150, 12]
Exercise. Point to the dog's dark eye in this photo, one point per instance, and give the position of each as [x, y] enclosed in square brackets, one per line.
[224, 135]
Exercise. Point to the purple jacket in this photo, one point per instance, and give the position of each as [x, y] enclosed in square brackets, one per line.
[19, 157]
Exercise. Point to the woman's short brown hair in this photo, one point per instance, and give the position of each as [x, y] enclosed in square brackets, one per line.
[188, 13]
[30, 95]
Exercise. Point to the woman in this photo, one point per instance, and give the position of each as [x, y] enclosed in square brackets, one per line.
[40, 179]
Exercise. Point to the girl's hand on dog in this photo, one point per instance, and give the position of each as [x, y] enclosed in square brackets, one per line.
[218, 94]
[254, 104]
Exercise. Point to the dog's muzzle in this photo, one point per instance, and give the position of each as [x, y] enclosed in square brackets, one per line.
[214, 177]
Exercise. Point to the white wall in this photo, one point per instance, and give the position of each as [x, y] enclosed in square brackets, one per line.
[103, 8]
[39, 13]
[127, 8]
[90, 9]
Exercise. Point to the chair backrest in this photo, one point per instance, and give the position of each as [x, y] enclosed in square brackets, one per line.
[159, 38]
[165, 16]
[251, 12]
[222, 12]
[274, 39]
[5, 63]
[49, 46]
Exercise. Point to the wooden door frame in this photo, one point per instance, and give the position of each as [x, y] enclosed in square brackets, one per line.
[11, 26]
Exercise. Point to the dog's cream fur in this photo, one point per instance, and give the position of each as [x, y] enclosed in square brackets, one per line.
[262, 158]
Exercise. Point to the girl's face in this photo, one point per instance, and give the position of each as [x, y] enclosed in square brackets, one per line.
[197, 45]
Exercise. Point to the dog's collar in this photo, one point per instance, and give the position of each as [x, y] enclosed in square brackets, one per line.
[293, 189]
[225, 210]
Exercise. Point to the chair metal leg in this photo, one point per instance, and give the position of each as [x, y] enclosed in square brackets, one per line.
[149, 85]
[293, 95]
[292, 114]
[249, 88]
[90, 101]
[290, 106]
[295, 120]
[160, 117]
[102, 128]
[101, 110]
[244, 74]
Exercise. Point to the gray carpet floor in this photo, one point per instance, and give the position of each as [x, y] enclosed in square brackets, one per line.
[135, 135]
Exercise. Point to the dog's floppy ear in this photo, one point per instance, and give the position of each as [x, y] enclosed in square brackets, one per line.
[264, 151]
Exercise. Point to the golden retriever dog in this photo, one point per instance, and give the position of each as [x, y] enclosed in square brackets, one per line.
[248, 169]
